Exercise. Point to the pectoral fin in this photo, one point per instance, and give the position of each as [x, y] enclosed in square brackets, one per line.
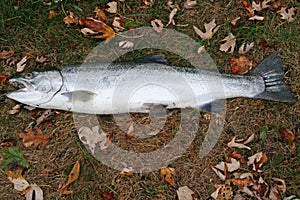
[80, 95]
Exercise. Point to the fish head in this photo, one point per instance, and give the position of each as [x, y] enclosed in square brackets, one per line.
[36, 88]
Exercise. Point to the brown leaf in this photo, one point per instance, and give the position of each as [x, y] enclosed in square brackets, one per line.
[241, 65]
[257, 160]
[112, 7]
[248, 7]
[127, 171]
[52, 14]
[71, 19]
[6, 54]
[167, 173]
[210, 29]
[108, 196]
[118, 24]
[229, 45]
[98, 26]
[35, 139]
[2, 79]
[242, 182]
[287, 135]
[73, 176]
[287, 15]
[100, 15]
[41, 59]
[223, 192]
[235, 154]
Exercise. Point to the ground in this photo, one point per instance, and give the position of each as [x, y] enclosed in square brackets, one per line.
[27, 30]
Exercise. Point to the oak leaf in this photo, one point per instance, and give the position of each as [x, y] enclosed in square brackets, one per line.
[167, 173]
[71, 19]
[112, 7]
[157, 25]
[241, 65]
[248, 7]
[287, 15]
[35, 139]
[229, 45]
[73, 176]
[223, 192]
[257, 160]
[210, 29]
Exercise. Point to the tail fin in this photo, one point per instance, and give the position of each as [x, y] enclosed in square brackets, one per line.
[271, 69]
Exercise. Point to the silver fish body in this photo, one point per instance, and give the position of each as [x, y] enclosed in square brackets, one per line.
[101, 88]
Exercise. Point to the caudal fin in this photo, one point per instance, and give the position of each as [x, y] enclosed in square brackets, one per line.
[271, 69]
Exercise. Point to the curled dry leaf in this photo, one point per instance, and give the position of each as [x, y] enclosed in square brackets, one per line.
[73, 176]
[91, 137]
[118, 24]
[185, 193]
[219, 173]
[234, 21]
[287, 135]
[241, 65]
[88, 32]
[234, 144]
[6, 54]
[125, 44]
[189, 4]
[274, 194]
[167, 173]
[71, 19]
[280, 184]
[210, 29]
[248, 7]
[112, 7]
[229, 45]
[35, 139]
[21, 65]
[127, 171]
[287, 15]
[245, 47]
[15, 109]
[244, 182]
[148, 2]
[157, 25]
[231, 165]
[52, 14]
[98, 26]
[260, 6]
[171, 16]
[256, 17]
[33, 192]
[100, 14]
[257, 160]
[41, 59]
[223, 192]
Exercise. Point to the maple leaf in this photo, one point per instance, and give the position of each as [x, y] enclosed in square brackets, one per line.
[210, 29]
[157, 25]
[98, 26]
[71, 19]
[287, 15]
[229, 45]
[35, 139]
[73, 176]
[167, 173]
[241, 65]
[100, 15]
[6, 54]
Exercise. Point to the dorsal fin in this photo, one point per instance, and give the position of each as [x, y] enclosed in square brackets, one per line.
[157, 58]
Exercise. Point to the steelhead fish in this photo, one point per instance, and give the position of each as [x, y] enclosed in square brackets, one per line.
[99, 88]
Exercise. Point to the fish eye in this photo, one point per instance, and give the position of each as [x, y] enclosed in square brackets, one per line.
[28, 75]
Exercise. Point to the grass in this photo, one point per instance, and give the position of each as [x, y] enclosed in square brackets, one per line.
[28, 31]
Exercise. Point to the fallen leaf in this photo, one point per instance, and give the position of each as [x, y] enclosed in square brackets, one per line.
[127, 171]
[100, 14]
[245, 182]
[223, 192]
[256, 17]
[21, 65]
[6, 54]
[219, 173]
[35, 139]
[235, 154]
[118, 24]
[260, 189]
[287, 15]
[185, 193]
[148, 2]
[245, 48]
[11, 61]
[108, 196]
[241, 65]
[257, 160]
[248, 7]
[280, 184]
[167, 173]
[15, 176]
[33, 192]
[210, 29]
[52, 14]
[130, 131]
[157, 25]
[189, 4]
[73, 176]
[234, 21]
[71, 19]
[91, 137]
[287, 135]
[15, 109]
[232, 165]
[274, 194]
[229, 45]
[171, 17]
[260, 6]
[88, 32]
[233, 144]
[112, 7]
[43, 117]
[41, 59]
[98, 26]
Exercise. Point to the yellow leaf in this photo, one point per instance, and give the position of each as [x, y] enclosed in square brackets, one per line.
[167, 173]
[73, 176]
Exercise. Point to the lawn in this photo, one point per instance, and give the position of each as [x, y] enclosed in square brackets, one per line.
[27, 29]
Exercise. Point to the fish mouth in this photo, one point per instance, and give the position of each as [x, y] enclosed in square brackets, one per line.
[20, 85]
